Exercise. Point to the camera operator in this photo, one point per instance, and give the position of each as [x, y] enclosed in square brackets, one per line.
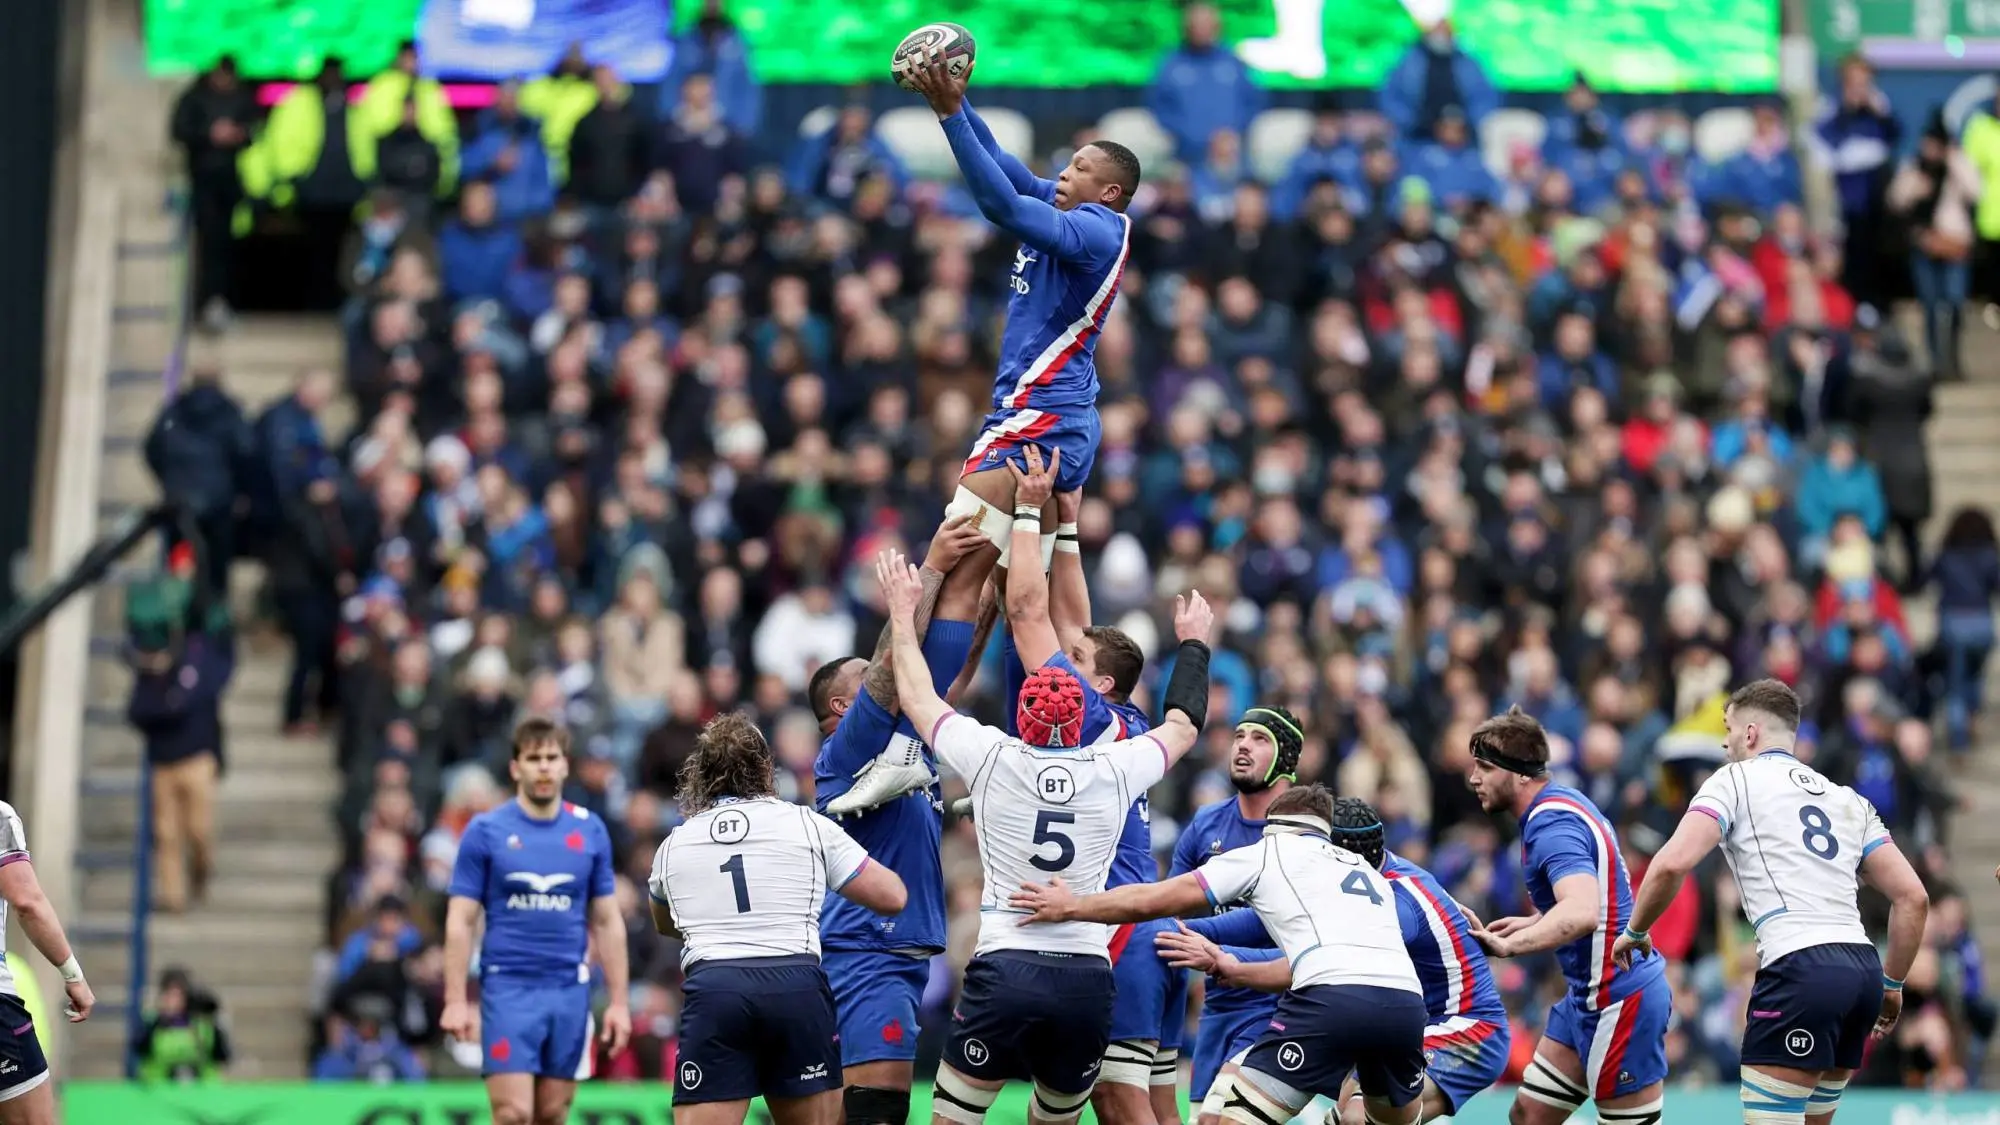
[184, 1039]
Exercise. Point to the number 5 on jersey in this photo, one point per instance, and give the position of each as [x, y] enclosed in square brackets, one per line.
[1046, 824]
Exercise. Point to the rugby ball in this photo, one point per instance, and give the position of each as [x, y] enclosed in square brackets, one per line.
[951, 38]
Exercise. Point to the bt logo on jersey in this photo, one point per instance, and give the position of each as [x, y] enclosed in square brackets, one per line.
[1291, 1056]
[540, 893]
[1799, 1042]
[1056, 785]
[690, 1076]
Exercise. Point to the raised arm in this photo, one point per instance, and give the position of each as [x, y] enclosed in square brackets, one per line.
[903, 586]
[1027, 587]
[1186, 699]
[1069, 593]
[955, 539]
[1023, 179]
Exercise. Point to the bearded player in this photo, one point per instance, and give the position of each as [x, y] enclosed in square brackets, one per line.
[1606, 1039]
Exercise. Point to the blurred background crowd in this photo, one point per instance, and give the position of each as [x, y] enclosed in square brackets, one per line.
[1443, 414]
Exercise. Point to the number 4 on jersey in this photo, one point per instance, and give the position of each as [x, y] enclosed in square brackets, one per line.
[1357, 883]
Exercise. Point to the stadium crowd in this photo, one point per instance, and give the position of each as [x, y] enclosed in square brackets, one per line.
[1601, 434]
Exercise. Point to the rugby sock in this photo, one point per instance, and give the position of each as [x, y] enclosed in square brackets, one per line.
[1826, 1097]
[1773, 1101]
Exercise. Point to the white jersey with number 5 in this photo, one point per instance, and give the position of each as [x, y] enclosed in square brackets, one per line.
[746, 878]
[1332, 913]
[1795, 842]
[1044, 813]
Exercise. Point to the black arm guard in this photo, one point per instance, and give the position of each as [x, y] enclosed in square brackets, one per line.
[1187, 688]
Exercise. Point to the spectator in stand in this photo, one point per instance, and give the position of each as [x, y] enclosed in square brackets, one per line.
[698, 147]
[1891, 401]
[478, 248]
[401, 99]
[1434, 73]
[1934, 191]
[200, 449]
[1857, 138]
[1586, 142]
[1765, 174]
[176, 706]
[1329, 154]
[1966, 573]
[1202, 88]
[559, 100]
[184, 1039]
[212, 123]
[607, 150]
[365, 1047]
[1451, 163]
[507, 151]
[714, 46]
[834, 164]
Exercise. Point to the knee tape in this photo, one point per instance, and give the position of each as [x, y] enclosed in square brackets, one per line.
[1825, 1096]
[1252, 1097]
[997, 526]
[1166, 1066]
[1051, 1105]
[955, 1099]
[1128, 1062]
[1549, 1086]
[1772, 1101]
[1649, 1114]
[869, 1105]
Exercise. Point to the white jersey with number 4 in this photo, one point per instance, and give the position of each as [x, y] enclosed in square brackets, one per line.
[1795, 842]
[1044, 813]
[1332, 913]
[746, 878]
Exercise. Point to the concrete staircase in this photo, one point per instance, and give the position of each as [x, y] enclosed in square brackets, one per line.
[252, 941]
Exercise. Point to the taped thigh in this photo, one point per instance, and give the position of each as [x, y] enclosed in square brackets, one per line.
[1128, 1062]
[1545, 1084]
[1251, 1097]
[955, 1099]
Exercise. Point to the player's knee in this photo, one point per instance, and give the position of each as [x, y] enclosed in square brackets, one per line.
[1058, 1108]
[1258, 1099]
[1653, 1112]
[1768, 1100]
[1128, 1062]
[956, 1099]
[870, 1105]
[511, 1112]
[552, 1114]
[1120, 1102]
[1166, 1068]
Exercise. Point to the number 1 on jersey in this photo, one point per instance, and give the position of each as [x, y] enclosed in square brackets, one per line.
[1357, 883]
[734, 867]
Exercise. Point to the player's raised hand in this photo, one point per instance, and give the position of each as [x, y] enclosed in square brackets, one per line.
[902, 586]
[957, 538]
[1033, 487]
[617, 1027]
[1623, 949]
[1184, 949]
[1044, 902]
[1193, 619]
[1892, 1013]
[932, 78]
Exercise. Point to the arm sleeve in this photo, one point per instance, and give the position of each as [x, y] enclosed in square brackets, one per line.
[1142, 761]
[1408, 913]
[843, 858]
[1239, 927]
[1560, 846]
[1717, 798]
[603, 878]
[1018, 174]
[862, 733]
[657, 884]
[468, 871]
[14, 839]
[963, 743]
[1232, 875]
[1254, 952]
[1081, 237]
[1874, 833]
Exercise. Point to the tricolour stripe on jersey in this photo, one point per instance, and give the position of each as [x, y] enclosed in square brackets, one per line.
[1458, 988]
[1459, 1031]
[1608, 1046]
[1023, 425]
[1064, 347]
[1119, 937]
[1608, 919]
[1114, 731]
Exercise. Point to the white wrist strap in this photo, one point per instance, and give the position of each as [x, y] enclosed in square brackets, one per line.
[70, 970]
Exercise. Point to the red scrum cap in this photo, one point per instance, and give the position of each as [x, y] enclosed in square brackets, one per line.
[1050, 711]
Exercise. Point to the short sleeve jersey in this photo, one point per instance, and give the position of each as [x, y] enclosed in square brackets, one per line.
[748, 878]
[1795, 842]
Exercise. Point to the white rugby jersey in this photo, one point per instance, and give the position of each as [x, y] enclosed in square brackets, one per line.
[1043, 813]
[1332, 913]
[1795, 842]
[13, 849]
[747, 878]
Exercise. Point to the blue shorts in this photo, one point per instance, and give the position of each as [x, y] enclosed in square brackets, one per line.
[1324, 1031]
[530, 1027]
[21, 1057]
[756, 1025]
[1140, 1009]
[1814, 1009]
[1623, 1045]
[1219, 1037]
[1004, 433]
[1039, 1016]
[1464, 1055]
[876, 997]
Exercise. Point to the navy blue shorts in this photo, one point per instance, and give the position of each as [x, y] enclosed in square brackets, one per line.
[1005, 433]
[528, 1027]
[877, 996]
[1324, 1031]
[1039, 1016]
[1814, 1009]
[22, 1064]
[756, 1025]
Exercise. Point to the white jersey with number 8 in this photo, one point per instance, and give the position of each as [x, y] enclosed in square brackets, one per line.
[1044, 813]
[1795, 842]
[747, 878]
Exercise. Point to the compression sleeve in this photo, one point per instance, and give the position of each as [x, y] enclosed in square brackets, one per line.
[1254, 953]
[1065, 235]
[1020, 175]
[1187, 688]
[1233, 927]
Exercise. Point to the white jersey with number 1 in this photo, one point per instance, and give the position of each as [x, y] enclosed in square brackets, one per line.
[1044, 813]
[1795, 842]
